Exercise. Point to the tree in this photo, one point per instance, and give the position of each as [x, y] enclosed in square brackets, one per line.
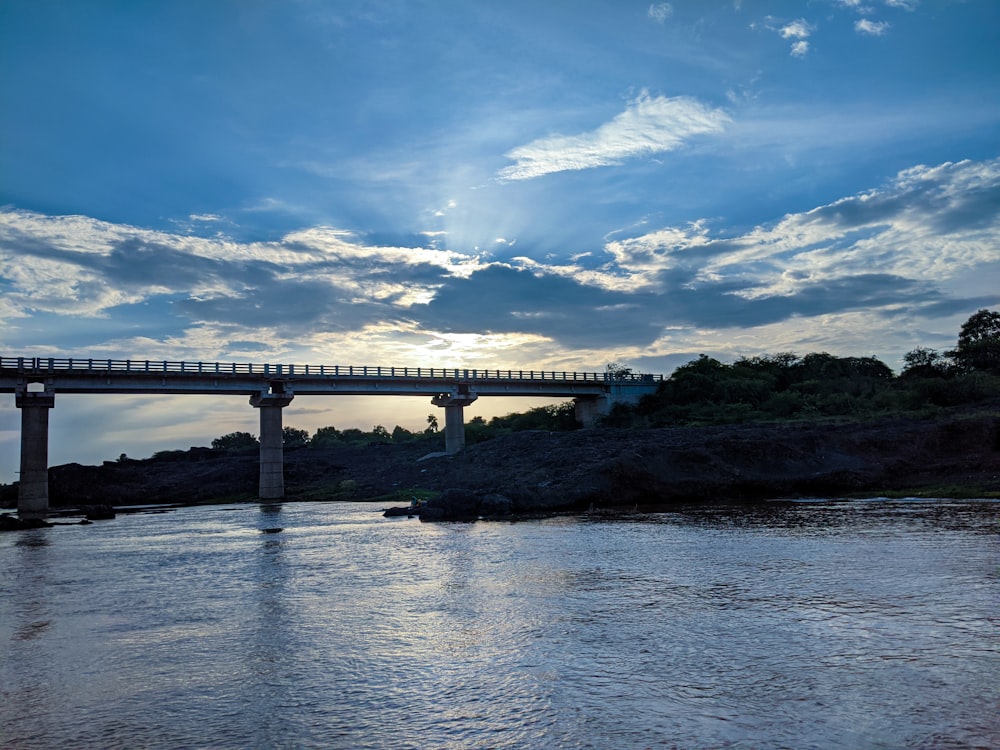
[698, 380]
[401, 434]
[353, 435]
[235, 441]
[432, 424]
[979, 343]
[617, 371]
[294, 438]
[380, 433]
[325, 436]
[924, 363]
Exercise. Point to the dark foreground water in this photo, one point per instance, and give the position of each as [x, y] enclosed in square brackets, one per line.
[865, 624]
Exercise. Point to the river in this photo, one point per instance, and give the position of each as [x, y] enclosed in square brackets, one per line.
[860, 624]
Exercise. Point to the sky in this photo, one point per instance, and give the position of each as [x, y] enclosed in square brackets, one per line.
[520, 184]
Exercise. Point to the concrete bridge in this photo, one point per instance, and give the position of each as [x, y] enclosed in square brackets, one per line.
[34, 381]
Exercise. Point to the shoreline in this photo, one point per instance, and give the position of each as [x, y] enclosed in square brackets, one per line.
[956, 455]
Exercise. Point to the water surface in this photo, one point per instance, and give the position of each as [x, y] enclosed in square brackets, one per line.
[864, 624]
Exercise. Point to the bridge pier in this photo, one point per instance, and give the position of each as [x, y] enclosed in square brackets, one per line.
[272, 457]
[33, 486]
[454, 417]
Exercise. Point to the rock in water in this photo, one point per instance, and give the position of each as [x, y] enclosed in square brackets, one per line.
[98, 512]
[10, 522]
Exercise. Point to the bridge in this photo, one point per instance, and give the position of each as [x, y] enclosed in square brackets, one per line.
[34, 381]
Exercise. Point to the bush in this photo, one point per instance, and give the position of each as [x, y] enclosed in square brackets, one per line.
[401, 435]
[325, 436]
[236, 441]
[293, 438]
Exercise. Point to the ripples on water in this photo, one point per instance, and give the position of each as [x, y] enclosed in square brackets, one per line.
[827, 624]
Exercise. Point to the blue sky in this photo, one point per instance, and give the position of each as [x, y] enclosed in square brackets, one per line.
[549, 185]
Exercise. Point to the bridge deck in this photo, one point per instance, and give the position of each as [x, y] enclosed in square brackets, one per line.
[72, 375]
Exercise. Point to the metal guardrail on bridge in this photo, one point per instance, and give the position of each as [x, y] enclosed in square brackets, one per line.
[42, 365]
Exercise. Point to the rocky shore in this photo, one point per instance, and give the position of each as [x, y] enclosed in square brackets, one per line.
[527, 473]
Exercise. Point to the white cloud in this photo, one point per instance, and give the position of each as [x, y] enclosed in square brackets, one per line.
[649, 125]
[799, 29]
[928, 223]
[904, 4]
[85, 267]
[660, 12]
[873, 28]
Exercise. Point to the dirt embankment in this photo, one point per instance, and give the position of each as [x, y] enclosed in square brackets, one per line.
[531, 472]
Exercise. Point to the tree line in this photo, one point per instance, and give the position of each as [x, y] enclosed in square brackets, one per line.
[819, 385]
[781, 386]
[553, 418]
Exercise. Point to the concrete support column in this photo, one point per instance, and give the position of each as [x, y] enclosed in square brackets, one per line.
[454, 419]
[272, 457]
[33, 487]
[454, 428]
[589, 410]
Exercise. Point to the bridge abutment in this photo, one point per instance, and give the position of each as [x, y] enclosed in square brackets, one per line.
[33, 486]
[272, 457]
[589, 410]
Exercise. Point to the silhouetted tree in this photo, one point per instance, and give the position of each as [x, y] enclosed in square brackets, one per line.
[325, 436]
[924, 363]
[294, 438]
[555, 418]
[235, 441]
[354, 435]
[979, 343]
[617, 371]
[401, 434]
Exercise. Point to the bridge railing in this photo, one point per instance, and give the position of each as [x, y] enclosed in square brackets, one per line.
[41, 365]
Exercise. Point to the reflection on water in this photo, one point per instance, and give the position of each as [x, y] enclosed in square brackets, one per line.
[819, 624]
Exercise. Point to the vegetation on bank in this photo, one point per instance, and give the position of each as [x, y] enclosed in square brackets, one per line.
[785, 386]
[558, 417]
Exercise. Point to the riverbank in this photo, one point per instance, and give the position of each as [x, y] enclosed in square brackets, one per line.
[954, 455]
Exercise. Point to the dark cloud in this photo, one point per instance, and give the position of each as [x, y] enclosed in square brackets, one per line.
[933, 197]
[136, 264]
[955, 306]
[249, 346]
[153, 319]
[707, 307]
[852, 213]
[977, 208]
[288, 304]
[500, 299]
